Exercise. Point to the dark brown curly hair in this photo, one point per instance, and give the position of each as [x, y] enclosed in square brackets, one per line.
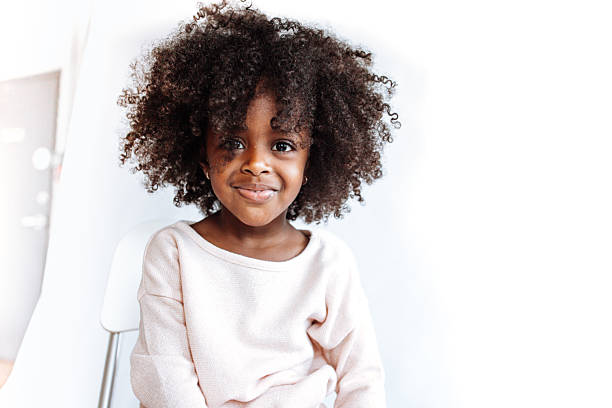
[204, 74]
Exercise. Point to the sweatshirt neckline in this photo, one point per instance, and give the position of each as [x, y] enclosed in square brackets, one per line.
[247, 261]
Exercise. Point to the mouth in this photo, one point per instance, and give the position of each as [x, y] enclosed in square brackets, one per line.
[258, 196]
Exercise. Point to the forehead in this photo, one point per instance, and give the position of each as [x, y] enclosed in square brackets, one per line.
[262, 104]
[261, 114]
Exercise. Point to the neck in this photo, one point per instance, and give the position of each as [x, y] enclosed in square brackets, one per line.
[249, 236]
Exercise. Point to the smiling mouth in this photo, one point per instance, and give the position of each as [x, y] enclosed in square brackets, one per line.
[256, 195]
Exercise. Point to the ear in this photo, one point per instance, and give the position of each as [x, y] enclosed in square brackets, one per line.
[204, 166]
[203, 162]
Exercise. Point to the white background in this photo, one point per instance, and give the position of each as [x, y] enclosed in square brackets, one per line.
[485, 250]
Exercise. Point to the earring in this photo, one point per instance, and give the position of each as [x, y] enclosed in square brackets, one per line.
[305, 180]
[206, 174]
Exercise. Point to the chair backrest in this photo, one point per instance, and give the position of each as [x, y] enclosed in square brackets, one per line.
[120, 310]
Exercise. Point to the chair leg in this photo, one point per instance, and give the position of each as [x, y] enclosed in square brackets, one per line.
[106, 391]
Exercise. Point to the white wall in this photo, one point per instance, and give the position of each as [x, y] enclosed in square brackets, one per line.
[35, 37]
[484, 251]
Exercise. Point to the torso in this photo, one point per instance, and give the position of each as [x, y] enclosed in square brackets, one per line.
[290, 247]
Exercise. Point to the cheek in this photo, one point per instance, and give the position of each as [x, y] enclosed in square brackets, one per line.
[221, 163]
[295, 176]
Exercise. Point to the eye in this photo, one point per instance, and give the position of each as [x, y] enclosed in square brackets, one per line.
[231, 144]
[286, 144]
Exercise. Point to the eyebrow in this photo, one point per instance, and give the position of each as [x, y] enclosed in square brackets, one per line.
[293, 136]
[287, 135]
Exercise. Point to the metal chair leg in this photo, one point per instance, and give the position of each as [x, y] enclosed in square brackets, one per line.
[110, 366]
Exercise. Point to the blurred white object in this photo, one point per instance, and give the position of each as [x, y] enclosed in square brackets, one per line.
[41, 158]
[12, 135]
[42, 197]
[36, 221]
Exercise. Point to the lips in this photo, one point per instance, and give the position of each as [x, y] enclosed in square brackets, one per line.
[257, 196]
[255, 186]
[256, 192]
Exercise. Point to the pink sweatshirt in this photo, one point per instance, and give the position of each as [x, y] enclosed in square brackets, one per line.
[219, 329]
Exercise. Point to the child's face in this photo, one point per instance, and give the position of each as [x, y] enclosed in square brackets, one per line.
[259, 155]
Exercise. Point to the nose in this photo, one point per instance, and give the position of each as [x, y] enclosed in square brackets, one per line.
[256, 161]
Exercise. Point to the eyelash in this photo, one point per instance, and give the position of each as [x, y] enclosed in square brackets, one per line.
[226, 143]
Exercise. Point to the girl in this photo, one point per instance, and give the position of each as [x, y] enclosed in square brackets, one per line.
[258, 121]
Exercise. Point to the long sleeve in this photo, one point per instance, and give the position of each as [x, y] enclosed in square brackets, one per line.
[348, 341]
[162, 369]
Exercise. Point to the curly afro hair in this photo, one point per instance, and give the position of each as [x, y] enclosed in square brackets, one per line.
[204, 74]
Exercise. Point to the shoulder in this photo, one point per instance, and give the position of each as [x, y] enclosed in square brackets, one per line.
[167, 238]
[335, 249]
[161, 265]
[341, 264]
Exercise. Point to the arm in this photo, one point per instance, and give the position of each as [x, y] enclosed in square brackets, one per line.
[349, 343]
[162, 371]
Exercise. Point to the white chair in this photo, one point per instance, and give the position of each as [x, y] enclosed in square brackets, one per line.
[120, 310]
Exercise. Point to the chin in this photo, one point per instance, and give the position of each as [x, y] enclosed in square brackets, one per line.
[256, 221]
